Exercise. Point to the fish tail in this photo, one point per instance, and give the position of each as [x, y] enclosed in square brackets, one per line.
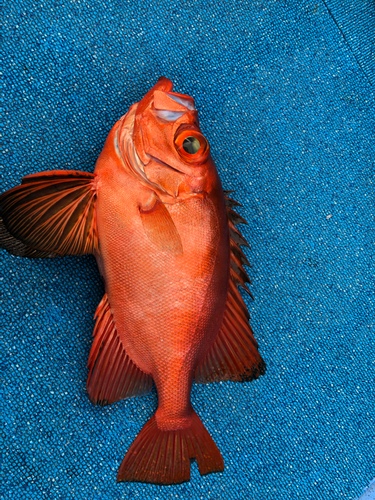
[163, 456]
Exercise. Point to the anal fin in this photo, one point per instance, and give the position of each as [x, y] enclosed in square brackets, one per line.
[112, 374]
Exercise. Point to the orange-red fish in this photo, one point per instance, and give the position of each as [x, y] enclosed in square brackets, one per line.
[165, 238]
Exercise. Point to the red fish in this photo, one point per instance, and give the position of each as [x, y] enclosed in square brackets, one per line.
[164, 235]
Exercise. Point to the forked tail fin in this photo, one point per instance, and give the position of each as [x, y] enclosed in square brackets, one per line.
[163, 456]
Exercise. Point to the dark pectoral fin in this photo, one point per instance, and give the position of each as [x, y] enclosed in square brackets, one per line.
[16, 247]
[112, 374]
[49, 214]
[234, 354]
[160, 228]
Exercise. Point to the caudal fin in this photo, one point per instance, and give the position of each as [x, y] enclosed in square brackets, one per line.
[163, 456]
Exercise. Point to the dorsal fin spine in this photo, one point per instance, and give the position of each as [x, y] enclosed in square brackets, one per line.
[234, 217]
[237, 279]
[236, 250]
[239, 270]
[233, 228]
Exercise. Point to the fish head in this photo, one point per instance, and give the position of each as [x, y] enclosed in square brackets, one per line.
[161, 140]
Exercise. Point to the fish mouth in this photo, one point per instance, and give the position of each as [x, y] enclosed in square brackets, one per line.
[161, 162]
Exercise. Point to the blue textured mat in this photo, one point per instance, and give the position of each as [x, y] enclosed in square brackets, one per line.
[285, 99]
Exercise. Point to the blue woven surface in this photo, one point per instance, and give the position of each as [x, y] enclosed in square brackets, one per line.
[356, 22]
[289, 113]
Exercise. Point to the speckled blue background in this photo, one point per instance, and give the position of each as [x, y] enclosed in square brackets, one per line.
[286, 98]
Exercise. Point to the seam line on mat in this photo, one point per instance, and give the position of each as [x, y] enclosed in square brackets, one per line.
[347, 42]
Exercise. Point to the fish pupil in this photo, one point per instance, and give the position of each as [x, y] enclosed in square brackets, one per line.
[191, 145]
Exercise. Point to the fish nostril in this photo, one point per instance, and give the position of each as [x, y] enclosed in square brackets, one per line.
[191, 145]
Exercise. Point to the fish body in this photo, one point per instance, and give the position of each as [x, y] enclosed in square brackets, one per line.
[164, 235]
[182, 290]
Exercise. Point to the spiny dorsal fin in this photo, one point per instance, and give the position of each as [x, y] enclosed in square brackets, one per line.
[49, 214]
[238, 258]
[234, 354]
[112, 374]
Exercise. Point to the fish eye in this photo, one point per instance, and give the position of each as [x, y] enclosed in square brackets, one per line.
[191, 145]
